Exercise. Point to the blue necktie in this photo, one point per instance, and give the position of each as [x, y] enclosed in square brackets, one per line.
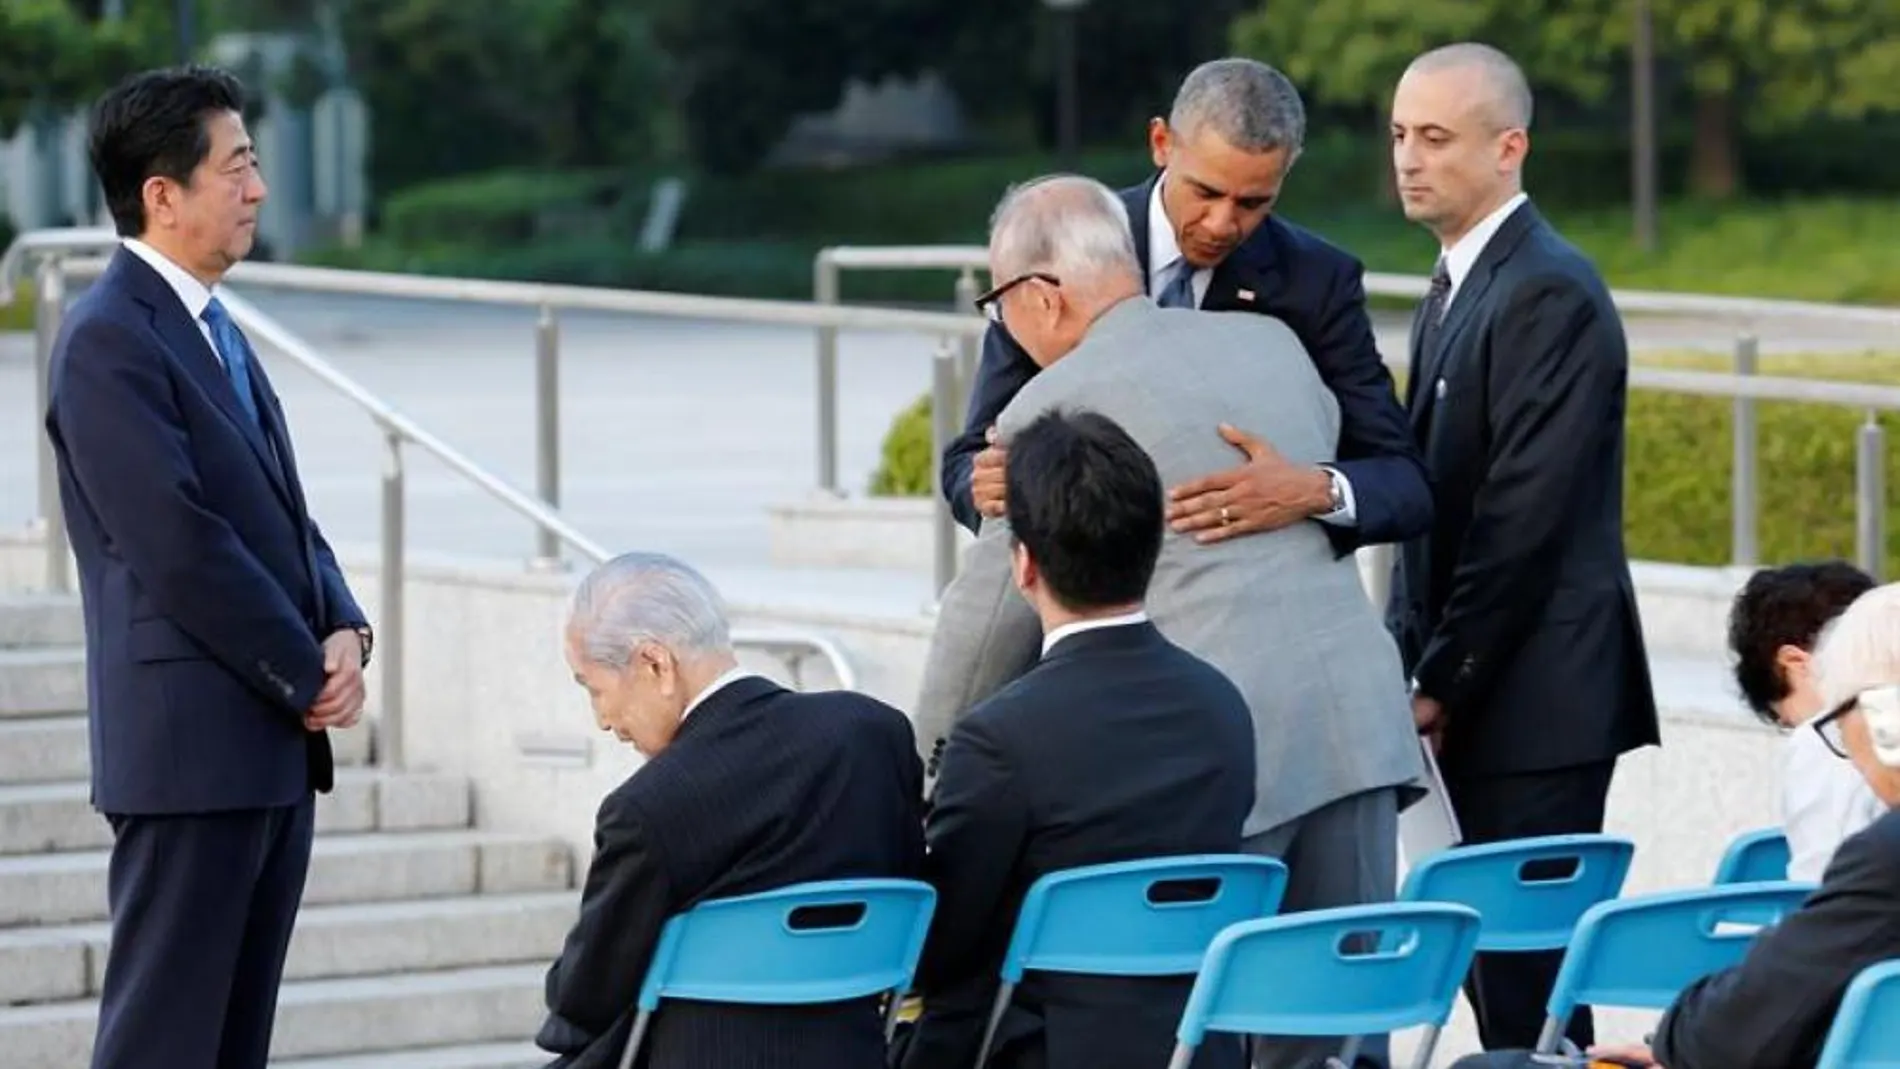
[1179, 292]
[236, 353]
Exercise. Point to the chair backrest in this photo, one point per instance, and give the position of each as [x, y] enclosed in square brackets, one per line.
[1756, 856]
[1351, 971]
[1530, 892]
[813, 942]
[1153, 917]
[1640, 952]
[1866, 1032]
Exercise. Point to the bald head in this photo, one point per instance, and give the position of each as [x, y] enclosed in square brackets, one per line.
[1072, 227]
[1504, 95]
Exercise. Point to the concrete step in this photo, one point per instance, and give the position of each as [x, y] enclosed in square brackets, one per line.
[377, 867]
[484, 1056]
[40, 817]
[328, 1017]
[68, 962]
[41, 682]
[41, 620]
[53, 749]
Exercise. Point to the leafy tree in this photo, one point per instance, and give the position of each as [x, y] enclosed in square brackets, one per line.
[53, 57]
[1775, 61]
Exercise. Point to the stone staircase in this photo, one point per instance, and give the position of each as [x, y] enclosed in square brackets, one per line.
[421, 945]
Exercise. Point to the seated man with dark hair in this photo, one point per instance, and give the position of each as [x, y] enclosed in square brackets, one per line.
[1773, 626]
[1117, 746]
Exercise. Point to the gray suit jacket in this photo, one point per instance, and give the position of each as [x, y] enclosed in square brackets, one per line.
[1288, 622]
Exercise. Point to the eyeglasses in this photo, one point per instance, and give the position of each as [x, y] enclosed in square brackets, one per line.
[1829, 727]
[987, 302]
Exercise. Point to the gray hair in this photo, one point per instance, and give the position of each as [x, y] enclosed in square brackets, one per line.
[1509, 92]
[1072, 227]
[1249, 104]
[647, 597]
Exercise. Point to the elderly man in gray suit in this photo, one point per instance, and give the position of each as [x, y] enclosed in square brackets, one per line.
[1277, 612]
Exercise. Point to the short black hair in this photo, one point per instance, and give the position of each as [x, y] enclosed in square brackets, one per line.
[154, 124]
[1085, 500]
[1785, 606]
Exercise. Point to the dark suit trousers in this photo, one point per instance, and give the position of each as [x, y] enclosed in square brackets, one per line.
[202, 908]
[1508, 992]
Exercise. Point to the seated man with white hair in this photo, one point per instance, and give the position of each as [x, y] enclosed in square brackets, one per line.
[747, 787]
[1773, 1010]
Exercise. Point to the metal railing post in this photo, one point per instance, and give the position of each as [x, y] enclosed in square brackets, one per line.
[943, 428]
[49, 310]
[825, 291]
[1744, 501]
[1870, 505]
[967, 346]
[547, 428]
[389, 630]
[1378, 578]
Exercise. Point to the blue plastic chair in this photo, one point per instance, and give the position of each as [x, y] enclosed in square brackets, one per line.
[830, 941]
[1298, 975]
[1866, 1031]
[1755, 857]
[1104, 920]
[1640, 952]
[1522, 909]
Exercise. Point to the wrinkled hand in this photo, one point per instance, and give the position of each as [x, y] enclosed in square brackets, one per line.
[340, 703]
[986, 478]
[1265, 493]
[1428, 716]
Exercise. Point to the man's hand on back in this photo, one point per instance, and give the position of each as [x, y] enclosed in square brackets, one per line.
[986, 478]
[1265, 493]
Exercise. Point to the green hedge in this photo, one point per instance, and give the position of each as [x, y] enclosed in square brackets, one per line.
[19, 314]
[503, 208]
[1678, 464]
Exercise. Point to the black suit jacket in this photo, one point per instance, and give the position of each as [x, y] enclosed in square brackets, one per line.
[207, 589]
[761, 788]
[1117, 746]
[1773, 1010]
[1516, 608]
[1316, 289]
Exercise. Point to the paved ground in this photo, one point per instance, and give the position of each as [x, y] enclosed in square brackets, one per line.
[675, 434]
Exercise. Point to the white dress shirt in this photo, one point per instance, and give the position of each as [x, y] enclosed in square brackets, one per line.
[727, 678]
[1464, 253]
[193, 294]
[1824, 800]
[1076, 627]
[1164, 257]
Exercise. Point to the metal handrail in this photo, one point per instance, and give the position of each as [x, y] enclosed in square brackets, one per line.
[951, 383]
[55, 252]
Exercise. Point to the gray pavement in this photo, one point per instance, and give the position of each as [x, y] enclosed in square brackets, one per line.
[676, 434]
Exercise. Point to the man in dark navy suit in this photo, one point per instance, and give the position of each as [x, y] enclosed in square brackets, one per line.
[748, 787]
[1119, 745]
[1206, 238]
[221, 640]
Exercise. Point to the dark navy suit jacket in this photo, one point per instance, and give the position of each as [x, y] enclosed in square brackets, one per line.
[762, 788]
[207, 589]
[1316, 289]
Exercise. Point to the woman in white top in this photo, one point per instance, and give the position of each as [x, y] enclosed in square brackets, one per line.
[1773, 627]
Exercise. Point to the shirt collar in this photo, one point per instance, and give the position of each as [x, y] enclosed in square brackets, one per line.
[1076, 627]
[727, 678]
[1463, 255]
[194, 294]
[1162, 250]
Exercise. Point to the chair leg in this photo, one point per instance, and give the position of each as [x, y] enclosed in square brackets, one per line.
[1183, 1054]
[996, 1018]
[1427, 1046]
[890, 1016]
[1547, 1039]
[633, 1041]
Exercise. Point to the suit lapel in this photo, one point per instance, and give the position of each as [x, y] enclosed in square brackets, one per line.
[178, 332]
[1464, 305]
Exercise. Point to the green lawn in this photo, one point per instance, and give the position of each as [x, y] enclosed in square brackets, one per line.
[19, 314]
